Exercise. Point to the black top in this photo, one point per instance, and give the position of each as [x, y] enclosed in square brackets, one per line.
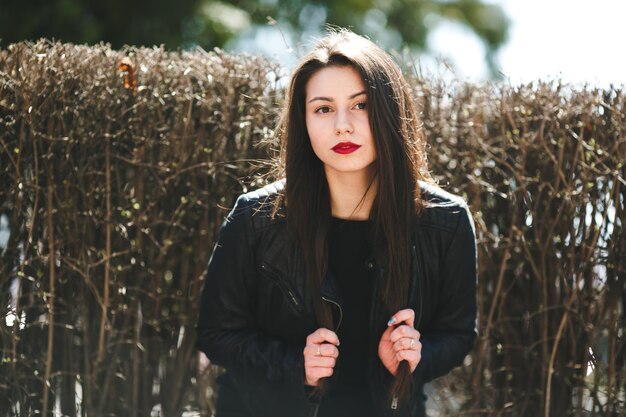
[348, 252]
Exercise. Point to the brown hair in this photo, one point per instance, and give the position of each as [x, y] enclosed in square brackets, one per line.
[400, 163]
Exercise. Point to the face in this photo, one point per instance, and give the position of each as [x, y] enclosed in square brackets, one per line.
[338, 123]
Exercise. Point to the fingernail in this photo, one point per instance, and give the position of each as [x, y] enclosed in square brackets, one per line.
[391, 321]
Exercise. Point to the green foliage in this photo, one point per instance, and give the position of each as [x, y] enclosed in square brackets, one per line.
[119, 22]
[212, 23]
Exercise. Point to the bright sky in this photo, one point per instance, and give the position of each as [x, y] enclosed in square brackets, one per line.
[578, 41]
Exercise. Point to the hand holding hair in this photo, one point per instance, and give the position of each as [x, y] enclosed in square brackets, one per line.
[400, 341]
[320, 355]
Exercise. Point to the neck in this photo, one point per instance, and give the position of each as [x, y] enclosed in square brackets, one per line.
[352, 194]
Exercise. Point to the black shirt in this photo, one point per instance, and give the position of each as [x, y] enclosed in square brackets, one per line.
[348, 252]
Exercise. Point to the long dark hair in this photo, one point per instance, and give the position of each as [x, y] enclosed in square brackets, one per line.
[400, 163]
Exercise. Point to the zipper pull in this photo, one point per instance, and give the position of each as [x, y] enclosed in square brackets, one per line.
[293, 298]
[394, 402]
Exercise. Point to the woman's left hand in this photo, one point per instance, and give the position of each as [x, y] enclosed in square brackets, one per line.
[400, 341]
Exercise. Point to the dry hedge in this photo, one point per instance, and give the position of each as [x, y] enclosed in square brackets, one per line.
[115, 171]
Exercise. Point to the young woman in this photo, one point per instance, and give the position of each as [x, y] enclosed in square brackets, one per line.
[342, 289]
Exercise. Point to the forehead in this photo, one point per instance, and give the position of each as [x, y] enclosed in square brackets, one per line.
[335, 81]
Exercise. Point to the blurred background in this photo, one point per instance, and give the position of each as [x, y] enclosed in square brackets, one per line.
[515, 41]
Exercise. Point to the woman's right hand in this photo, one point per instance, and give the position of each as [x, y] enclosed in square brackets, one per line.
[320, 355]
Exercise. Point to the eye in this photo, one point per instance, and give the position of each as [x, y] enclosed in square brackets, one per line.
[361, 106]
[323, 109]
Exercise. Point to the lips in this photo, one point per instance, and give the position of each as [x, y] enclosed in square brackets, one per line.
[345, 147]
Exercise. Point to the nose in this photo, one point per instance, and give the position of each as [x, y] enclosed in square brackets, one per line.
[343, 124]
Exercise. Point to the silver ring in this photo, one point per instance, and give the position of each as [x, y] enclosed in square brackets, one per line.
[412, 345]
[319, 350]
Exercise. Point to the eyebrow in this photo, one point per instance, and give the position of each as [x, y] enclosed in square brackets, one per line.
[331, 99]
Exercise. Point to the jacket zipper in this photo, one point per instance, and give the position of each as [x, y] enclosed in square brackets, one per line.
[328, 300]
[340, 311]
[317, 407]
[394, 398]
[419, 283]
[378, 280]
[283, 287]
[293, 298]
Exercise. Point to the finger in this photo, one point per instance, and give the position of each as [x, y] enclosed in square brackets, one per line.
[322, 335]
[319, 362]
[403, 316]
[326, 349]
[323, 349]
[411, 356]
[315, 374]
[404, 331]
[407, 344]
[312, 349]
[404, 344]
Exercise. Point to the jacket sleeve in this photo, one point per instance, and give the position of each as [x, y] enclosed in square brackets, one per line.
[226, 330]
[451, 335]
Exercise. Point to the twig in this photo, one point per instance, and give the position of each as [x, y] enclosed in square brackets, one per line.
[107, 263]
[46, 384]
[559, 334]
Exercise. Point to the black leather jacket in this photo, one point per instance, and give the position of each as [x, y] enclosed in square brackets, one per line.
[256, 312]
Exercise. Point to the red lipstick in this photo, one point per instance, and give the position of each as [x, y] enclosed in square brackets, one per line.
[345, 147]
